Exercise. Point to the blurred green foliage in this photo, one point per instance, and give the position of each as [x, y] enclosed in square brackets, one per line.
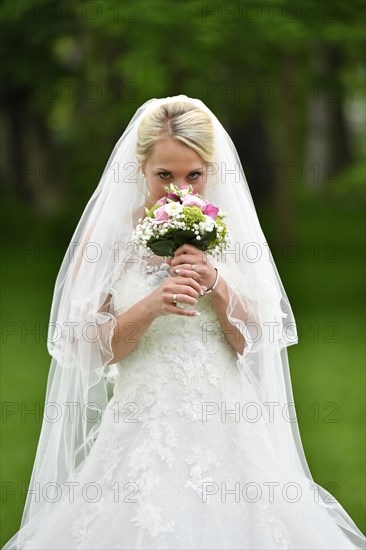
[75, 73]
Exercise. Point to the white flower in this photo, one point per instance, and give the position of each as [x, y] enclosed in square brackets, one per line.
[210, 223]
[184, 192]
[173, 208]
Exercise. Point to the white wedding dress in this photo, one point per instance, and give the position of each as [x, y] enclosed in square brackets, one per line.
[161, 475]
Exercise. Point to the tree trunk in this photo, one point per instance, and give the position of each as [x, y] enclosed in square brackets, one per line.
[328, 149]
[287, 172]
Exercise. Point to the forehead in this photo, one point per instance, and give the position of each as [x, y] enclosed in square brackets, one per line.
[172, 154]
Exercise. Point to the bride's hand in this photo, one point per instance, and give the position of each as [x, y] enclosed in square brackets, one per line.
[186, 289]
[189, 260]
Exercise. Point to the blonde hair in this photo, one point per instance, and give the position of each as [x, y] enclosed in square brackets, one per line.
[179, 120]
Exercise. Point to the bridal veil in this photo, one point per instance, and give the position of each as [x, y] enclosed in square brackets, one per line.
[81, 323]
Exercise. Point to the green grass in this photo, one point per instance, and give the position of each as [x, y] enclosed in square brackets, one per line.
[323, 372]
[26, 299]
[327, 366]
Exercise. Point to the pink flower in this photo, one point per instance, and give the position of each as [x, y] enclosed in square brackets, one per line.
[160, 214]
[211, 210]
[161, 201]
[193, 192]
[191, 200]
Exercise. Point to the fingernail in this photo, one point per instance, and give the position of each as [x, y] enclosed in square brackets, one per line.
[176, 270]
[202, 292]
[196, 313]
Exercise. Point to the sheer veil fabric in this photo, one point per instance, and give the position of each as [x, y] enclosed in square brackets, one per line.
[81, 322]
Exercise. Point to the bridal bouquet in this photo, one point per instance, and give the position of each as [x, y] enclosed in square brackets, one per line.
[182, 217]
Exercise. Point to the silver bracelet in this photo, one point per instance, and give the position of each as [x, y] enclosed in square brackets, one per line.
[215, 283]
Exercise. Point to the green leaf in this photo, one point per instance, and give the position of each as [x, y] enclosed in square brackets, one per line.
[161, 247]
[166, 246]
[183, 236]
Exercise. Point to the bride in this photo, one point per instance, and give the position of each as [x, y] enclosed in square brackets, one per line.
[169, 418]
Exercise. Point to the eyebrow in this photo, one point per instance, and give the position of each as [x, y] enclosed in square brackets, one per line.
[170, 172]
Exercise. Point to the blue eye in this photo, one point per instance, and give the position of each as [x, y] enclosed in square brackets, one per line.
[163, 177]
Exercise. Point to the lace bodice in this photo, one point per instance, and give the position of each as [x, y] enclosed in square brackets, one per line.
[190, 343]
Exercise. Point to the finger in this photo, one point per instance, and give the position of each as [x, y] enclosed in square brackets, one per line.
[179, 311]
[189, 286]
[184, 294]
[186, 284]
[185, 299]
[185, 259]
[187, 271]
[188, 292]
[181, 299]
[190, 250]
[186, 280]
[186, 249]
[191, 277]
